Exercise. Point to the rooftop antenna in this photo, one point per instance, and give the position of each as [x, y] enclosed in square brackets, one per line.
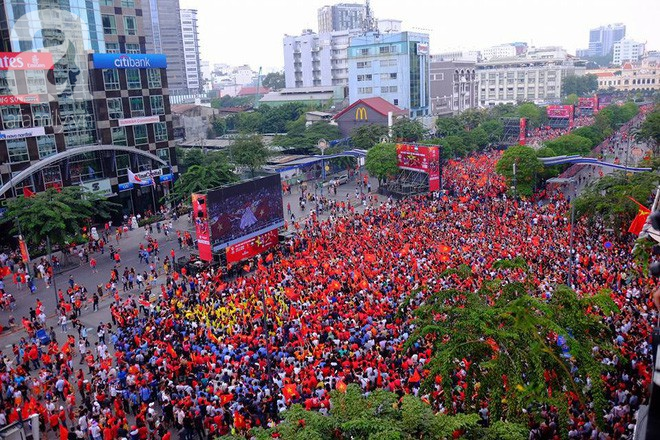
[369, 23]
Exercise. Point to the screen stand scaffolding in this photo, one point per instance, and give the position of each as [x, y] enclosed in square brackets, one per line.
[408, 183]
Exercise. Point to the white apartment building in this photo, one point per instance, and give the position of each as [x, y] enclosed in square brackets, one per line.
[627, 50]
[500, 51]
[524, 79]
[191, 58]
[314, 60]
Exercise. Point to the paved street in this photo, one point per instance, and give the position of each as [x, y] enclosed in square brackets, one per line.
[129, 245]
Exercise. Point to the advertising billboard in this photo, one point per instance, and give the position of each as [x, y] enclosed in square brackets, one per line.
[239, 212]
[522, 137]
[19, 99]
[253, 246]
[560, 111]
[423, 158]
[26, 61]
[129, 61]
[200, 215]
[587, 102]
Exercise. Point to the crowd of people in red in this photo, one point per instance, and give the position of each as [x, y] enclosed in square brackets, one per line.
[208, 355]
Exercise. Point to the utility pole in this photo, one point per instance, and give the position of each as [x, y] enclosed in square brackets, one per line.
[569, 277]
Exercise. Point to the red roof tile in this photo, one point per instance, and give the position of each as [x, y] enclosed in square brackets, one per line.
[377, 104]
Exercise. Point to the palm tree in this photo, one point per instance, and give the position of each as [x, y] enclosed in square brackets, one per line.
[200, 178]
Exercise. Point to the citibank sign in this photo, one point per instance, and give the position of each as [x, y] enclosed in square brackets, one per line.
[129, 61]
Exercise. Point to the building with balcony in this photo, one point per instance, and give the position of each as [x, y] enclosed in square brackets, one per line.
[521, 79]
[394, 67]
[453, 86]
[627, 50]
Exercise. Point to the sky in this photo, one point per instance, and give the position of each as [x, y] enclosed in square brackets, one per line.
[239, 32]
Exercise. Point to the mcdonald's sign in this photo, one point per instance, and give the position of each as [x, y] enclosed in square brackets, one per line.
[361, 114]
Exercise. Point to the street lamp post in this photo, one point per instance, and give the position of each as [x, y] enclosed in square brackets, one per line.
[569, 275]
[322, 145]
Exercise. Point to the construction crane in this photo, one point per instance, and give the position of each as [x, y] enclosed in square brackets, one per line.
[256, 92]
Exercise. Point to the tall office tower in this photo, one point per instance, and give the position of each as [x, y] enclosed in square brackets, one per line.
[602, 39]
[191, 49]
[341, 17]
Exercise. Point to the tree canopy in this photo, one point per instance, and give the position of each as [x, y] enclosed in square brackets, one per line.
[249, 152]
[304, 138]
[58, 214]
[579, 85]
[408, 130]
[650, 129]
[528, 166]
[570, 144]
[274, 81]
[214, 171]
[381, 161]
[366, 136]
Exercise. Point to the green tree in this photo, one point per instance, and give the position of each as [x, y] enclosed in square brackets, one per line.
[408, 130]
[453, 146]
[508, 332]
[381, 161]
[477, 138]
[250, 152]
[199, 178]
[448, 126]
[494, 128]
[366, 136]
[650, 130]
[229, 101]
[570, 144]
[530, 111]
[274, 81]
[57, 214]
[528, 168]
[579, 85]
[472, 118]
[219, 126]
[571, 99]
[590, 132]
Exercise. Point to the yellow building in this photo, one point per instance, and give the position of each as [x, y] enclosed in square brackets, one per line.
[629, 77]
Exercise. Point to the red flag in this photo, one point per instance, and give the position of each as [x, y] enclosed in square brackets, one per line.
[269, 258]
[341, 387]
[638, 222]
[415, 378]
[64, 433]
[289, 391]
[27, 193]
[370, 258]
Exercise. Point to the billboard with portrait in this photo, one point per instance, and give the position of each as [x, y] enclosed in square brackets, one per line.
[424, 158]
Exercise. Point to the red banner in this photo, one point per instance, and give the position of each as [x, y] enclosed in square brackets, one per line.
[253, 246]
[26, 61]
[424, 158]
[522, 137]
[25, 255]
[560, 111]
[202, 227]
[587, 102]
[19, 99]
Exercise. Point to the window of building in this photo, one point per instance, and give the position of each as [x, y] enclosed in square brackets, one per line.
[389, 89]
[395, 102]
[133, 80]
[140, 134]
[109, 24]
[46, 145]
[17, 150]
[157, 105]
[137, 106]
[364, 52]
[52, 176]
[107, 2]
[160, 131]
[364, 64]
[153, 79]
[119, 136]
[12, 117]
[7, 82]
[163, 154]
[112, 47]
[36, 81]
[127, 3]
[111, 79]
[388, 63]
[365, 90]
[41, 114]
[132, 48]
[130, 25]
[115, 108]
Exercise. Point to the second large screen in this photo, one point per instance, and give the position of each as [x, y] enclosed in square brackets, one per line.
[244, 210]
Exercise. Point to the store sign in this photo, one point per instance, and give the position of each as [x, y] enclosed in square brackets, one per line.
[129, 61]
[20, 133]
[26, 61]
[102, 187]
[18, 99]
[137, 121]
[422, 49]
[166, 177]
[125, 186]
[146, 175]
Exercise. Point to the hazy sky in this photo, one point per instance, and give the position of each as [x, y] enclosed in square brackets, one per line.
[250, 31]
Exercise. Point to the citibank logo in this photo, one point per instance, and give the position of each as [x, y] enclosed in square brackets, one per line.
[361, 114]
[125, 61]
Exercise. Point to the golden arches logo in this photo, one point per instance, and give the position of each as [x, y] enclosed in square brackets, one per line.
[361, 114]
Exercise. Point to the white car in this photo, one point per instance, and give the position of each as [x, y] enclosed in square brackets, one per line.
[342, 179]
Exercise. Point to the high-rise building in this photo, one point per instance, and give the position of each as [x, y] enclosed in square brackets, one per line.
[393, 66]
[627, 50]
[602, 39]
[500, 51]
[341, 17]
[93, 97]
[312, 60]
[191, 49]
[165, 35]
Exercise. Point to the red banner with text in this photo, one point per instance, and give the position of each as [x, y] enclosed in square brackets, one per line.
[253, 246]
[522, 137]
[424, 158]
[202, 227]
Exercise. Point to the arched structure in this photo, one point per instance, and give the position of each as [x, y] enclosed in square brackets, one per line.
[70, 153]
